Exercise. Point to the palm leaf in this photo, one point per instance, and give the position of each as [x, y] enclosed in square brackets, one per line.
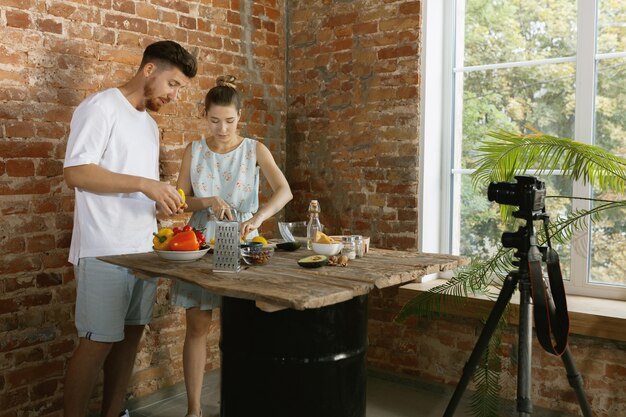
[473, 279]
[485, 400]
[509, 154]
[563, 228]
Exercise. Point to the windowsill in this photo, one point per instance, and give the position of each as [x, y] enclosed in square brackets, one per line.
[595, 317]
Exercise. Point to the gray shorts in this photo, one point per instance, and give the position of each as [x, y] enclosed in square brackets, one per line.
[108, 297]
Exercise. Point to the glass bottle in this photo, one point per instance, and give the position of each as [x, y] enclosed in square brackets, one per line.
[314, 225]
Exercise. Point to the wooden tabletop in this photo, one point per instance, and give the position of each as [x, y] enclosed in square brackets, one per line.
[282, 283]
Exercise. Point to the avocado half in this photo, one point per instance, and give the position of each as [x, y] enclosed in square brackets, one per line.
[289, 246]
[314, 261]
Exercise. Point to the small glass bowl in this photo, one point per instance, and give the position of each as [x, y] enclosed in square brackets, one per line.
[253, 256]
[253, 246]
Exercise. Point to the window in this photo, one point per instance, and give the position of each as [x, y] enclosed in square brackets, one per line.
[556, 65]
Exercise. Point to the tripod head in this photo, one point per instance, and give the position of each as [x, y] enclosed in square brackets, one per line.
[529, 194]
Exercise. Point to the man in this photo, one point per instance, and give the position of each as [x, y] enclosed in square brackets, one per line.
[112, 162]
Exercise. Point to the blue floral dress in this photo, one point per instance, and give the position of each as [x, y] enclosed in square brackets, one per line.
[233, 176]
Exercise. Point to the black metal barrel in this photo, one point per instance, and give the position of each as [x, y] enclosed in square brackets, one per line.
[292, 363]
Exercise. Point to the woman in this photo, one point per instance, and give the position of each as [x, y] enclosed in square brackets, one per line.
[217, 173]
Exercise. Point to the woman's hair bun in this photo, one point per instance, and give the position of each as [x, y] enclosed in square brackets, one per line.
[226, 81]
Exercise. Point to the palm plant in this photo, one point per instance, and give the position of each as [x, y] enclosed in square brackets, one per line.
[502, 156]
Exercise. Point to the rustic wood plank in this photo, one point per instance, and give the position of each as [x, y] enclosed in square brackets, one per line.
[268, 308]
[284, 284]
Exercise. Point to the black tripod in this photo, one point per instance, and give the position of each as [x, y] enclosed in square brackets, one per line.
[522, 241]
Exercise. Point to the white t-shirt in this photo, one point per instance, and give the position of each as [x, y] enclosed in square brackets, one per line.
[108, 131]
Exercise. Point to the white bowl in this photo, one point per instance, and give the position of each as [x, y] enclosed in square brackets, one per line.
[327, 249]
[182, 255]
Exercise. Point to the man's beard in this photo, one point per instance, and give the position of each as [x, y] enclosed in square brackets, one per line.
[152, 103]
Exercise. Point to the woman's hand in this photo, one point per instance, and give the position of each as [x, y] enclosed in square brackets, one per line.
[249, 225]
[220, 208]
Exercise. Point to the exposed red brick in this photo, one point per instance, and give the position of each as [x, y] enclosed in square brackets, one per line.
[181, 6]
[233, 17]
[188, 22]
[49, 168]
[20, 168]
[126, 23]
[410, 7]
[40, 243]
[14, 398]
[8, 306]
[50, 25]
[25, 376]
[61, 347]
[20, 149]
[19, 19]
[125, 6]
[13, 265]
[45, 389]
[25, 186]
[395, 52]
[341, 19]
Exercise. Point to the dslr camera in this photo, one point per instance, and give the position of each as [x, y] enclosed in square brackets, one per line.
[528, 193]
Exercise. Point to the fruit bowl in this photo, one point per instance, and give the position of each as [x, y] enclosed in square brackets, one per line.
[253, 256]
[328, 249]
[181, 255]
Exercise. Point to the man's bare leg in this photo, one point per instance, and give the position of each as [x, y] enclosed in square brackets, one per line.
[118, 368]
[82, 375]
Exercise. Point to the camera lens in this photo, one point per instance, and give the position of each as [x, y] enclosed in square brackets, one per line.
[503, 193]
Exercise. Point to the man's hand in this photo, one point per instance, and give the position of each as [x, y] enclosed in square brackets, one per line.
[168, 200]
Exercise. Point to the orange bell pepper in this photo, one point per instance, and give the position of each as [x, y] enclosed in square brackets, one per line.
[184, 241]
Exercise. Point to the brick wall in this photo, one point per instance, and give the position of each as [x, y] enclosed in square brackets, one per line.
[52, 55]
[352, 119]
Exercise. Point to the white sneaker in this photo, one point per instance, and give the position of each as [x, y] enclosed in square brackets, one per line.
[125, 413]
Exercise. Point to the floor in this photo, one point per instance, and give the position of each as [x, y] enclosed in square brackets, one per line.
[387, 396]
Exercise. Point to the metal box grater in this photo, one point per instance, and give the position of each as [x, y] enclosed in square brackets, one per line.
[226, 251]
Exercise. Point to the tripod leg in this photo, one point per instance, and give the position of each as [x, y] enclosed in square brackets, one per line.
[494, 317]
[524, 367]
[573, 376]
[576, 382]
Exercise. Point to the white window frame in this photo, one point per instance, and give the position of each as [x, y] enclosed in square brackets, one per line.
[441, 103]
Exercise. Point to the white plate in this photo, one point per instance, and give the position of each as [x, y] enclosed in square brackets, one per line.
[182, 255]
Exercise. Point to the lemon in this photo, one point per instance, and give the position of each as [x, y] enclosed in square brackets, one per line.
[259, 239]
[182, 195]
[322, 238]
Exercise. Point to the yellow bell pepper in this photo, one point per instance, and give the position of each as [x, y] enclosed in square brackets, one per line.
[161, 240]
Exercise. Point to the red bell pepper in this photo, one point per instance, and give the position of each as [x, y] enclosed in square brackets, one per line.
[184, 241]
